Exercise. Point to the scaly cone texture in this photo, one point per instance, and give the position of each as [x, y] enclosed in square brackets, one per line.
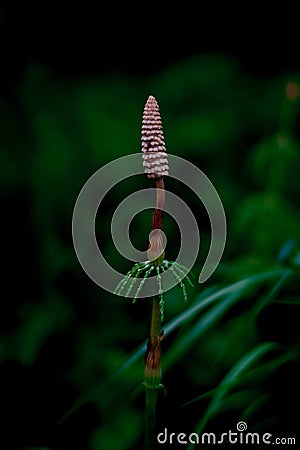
[155, 158]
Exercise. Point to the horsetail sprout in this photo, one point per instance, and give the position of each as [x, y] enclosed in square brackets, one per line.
[156, 167]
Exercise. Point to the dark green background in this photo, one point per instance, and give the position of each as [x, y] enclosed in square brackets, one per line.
[72, 96]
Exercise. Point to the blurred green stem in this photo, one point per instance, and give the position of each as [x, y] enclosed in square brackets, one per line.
[288, 117]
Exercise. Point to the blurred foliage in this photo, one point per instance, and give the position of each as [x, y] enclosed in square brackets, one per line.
[65, 342]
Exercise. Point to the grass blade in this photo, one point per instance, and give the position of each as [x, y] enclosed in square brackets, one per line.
[230, 378]
[203, 301]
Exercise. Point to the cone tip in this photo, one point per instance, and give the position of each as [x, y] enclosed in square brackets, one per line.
[151, 98]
